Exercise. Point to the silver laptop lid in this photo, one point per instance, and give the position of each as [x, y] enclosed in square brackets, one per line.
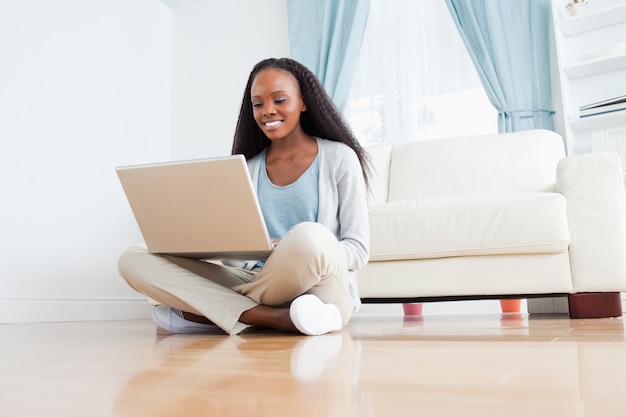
[203, 209]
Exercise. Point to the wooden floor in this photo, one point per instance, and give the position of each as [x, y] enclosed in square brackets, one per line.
[447, 365]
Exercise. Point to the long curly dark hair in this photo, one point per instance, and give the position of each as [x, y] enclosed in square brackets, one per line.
[322, 119]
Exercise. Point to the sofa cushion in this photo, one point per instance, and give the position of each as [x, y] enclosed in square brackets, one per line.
[440, 227]
[490, 164]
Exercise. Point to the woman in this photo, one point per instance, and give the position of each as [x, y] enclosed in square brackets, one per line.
[310, 174]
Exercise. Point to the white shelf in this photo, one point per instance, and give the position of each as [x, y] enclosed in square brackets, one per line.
[599, 121]
[590, 57]
[593, 20]
[596, 66]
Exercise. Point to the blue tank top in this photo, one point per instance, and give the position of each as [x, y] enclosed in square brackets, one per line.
[285, 206]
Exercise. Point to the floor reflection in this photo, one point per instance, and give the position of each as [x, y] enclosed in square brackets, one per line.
[476, 366]
[470, 365]
[249, 375]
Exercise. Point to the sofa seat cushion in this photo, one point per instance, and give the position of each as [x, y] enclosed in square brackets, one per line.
[469, 225]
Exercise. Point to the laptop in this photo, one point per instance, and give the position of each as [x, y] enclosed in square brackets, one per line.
[204, 209]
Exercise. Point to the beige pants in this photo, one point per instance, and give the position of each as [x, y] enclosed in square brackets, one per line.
[308, 260]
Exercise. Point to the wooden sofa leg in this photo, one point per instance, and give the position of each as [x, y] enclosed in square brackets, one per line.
[595, 305]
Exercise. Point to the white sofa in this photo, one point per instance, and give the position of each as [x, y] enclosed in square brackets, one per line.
[496, 216]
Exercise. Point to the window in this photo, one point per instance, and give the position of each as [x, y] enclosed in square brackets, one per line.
[415, 79]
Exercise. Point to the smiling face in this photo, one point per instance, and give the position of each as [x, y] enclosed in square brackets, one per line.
[277, 103]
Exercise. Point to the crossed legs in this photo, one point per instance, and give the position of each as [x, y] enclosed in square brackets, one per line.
[308, 260]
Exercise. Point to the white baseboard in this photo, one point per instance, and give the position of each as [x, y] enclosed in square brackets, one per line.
[440, 308]
[51, 310]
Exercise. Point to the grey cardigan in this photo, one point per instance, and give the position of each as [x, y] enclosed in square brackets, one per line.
[342, 203]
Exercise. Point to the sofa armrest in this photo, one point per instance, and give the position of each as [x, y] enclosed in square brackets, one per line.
[593, 185]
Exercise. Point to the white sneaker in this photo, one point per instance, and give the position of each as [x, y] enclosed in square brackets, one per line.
[171, 319]
[312, 317]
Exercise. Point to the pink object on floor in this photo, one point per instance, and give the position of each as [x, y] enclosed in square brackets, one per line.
[413, 309]
[510, 306]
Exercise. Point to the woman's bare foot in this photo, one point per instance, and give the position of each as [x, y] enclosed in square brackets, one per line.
[196, 318]
[274, 317]
[307, 315]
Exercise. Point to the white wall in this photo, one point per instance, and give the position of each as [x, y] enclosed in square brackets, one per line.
[84, 87]
[216, 44]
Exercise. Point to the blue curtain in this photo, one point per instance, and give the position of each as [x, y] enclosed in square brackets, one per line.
[326, 36]
[509, 44]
